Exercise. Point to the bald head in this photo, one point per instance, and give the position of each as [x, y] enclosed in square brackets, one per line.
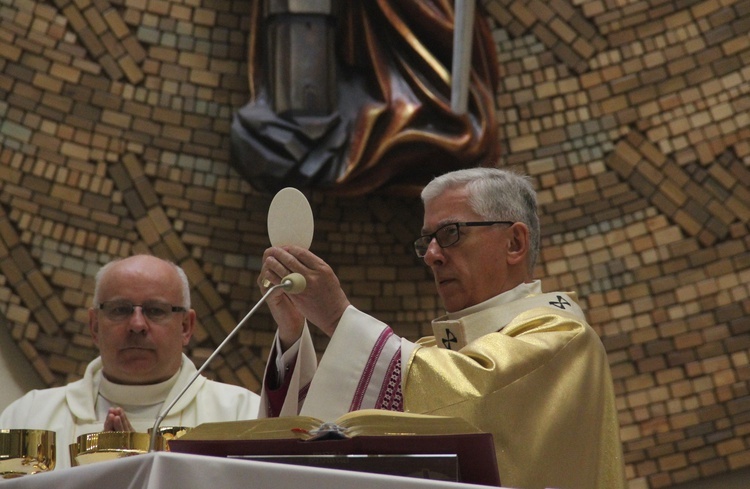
[141, 319]
[140, 264]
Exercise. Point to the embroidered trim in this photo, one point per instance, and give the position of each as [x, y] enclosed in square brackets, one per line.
[366, 376]
[453, 334]
[391, 397]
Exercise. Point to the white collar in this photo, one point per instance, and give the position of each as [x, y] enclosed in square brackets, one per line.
[136, 395]
[518, 292]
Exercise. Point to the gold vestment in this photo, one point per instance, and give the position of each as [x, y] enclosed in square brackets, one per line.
[543, 388]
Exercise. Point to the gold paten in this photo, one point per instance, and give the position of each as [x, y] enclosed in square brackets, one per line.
[167, 433]
[25, 452]
[109, 445]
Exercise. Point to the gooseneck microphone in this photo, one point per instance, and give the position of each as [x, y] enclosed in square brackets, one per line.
[294, 283]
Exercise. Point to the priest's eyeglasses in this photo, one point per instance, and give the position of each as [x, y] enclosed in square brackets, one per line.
[156, 311]
[448, 235]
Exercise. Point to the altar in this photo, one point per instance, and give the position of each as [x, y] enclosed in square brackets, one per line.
[188, 471]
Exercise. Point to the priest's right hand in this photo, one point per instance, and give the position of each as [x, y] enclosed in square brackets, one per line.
[289, 320]
[322, 303]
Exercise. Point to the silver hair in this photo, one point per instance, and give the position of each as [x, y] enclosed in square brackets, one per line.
[495, 194]
[185, 284]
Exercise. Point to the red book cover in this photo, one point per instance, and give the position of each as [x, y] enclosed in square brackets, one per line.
[371, 440]
[474, 452]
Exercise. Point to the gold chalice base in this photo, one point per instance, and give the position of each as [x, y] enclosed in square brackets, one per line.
[24, 452]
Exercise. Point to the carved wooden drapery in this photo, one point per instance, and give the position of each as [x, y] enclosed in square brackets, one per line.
[391, 122]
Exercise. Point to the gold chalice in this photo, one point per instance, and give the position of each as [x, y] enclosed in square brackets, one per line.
[109, 445]
[25, 452]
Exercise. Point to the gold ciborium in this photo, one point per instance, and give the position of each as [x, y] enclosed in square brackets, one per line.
[25, 452]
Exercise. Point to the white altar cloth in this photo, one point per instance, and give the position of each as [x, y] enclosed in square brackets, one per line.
[159, 470]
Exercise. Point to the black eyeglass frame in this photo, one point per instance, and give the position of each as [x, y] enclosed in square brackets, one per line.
[172, 309]
[458, 226]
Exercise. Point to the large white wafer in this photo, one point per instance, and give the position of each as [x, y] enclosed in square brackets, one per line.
[290, 219]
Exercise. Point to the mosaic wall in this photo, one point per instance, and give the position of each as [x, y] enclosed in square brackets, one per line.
[633, 117]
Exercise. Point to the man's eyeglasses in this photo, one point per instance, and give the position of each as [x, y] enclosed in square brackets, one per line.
[156, 311]
[448, 235]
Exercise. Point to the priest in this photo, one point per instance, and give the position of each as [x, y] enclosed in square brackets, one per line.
[511, 359]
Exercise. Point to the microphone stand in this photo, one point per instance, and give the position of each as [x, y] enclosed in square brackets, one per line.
[293, 283]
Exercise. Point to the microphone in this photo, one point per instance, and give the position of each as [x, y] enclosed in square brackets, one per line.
[294, 283]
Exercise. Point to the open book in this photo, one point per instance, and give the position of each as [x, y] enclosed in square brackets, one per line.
[372, 422]
[370, 440]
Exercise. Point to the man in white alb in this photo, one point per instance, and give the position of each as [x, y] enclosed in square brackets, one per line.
[140, 320]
